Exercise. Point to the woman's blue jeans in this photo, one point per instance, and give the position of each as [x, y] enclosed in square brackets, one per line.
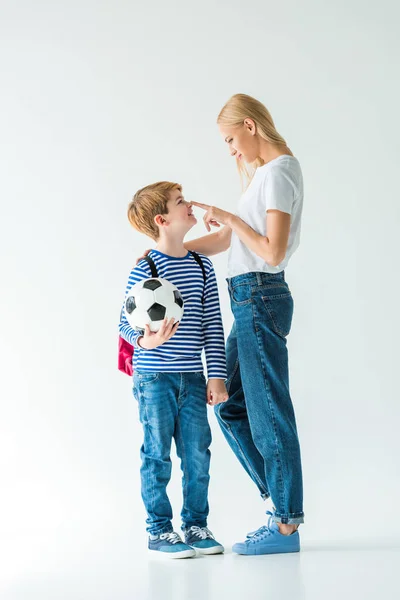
[258, 419]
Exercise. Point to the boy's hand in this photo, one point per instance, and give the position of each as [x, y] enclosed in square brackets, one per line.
[153, 339]
[216, 391]
[145, 253]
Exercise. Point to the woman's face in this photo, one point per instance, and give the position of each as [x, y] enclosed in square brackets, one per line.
[242, 140]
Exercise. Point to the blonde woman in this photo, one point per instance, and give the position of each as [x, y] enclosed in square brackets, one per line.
[258, 419]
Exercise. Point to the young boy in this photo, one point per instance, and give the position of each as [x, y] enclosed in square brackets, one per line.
[168, 380]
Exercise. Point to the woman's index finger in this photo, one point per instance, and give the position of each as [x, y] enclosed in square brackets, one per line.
[200, 205]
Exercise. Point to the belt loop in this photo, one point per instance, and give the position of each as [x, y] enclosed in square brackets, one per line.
[259, 279]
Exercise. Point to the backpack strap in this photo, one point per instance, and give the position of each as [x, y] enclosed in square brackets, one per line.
[200, 262]
[153, 268]
[154, 272]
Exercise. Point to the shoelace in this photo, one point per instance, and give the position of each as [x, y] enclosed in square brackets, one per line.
[171, 537]
[202, 532]
[262, 532]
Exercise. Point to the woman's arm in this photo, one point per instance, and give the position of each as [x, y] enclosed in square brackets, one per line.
[271, 248]
[212, 244]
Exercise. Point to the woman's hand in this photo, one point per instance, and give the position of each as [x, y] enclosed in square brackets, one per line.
[214, 216]
[145, 253]
[216, 391]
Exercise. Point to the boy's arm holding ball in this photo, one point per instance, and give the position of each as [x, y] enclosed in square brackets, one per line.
[153, 339]
[147, 340]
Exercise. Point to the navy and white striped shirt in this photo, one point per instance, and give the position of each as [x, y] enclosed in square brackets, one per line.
[200, 327]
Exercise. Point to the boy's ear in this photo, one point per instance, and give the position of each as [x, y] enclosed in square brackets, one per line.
[159, 220]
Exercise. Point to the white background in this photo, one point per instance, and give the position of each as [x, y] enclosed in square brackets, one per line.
[101, 98]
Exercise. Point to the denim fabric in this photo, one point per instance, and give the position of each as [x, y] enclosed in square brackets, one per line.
[173, 406]
[258, 420]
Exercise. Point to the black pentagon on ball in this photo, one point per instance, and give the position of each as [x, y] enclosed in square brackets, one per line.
[130, 305]
[178, 298]
[151, 284]
[157, 312]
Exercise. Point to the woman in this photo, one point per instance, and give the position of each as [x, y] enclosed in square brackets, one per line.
[258, 419]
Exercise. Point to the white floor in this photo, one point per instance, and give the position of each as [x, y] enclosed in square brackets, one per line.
[116, 567]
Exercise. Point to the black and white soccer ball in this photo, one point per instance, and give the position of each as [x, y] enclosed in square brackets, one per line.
[150, 301]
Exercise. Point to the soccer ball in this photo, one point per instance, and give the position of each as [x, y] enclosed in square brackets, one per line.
[150, 301]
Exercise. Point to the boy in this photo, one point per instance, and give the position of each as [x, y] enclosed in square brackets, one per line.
[168, 380]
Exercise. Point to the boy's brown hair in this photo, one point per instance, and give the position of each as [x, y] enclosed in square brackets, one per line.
[149, 202]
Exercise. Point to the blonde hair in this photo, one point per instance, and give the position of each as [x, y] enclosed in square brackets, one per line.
[241, 107]
[149, 202]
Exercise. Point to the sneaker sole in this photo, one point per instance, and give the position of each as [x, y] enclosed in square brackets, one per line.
[269, 551]
[162, 555]
[213, 550]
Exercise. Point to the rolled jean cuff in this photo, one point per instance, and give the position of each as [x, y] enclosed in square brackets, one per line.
[190, 524]
[167, 529]
[289, 518]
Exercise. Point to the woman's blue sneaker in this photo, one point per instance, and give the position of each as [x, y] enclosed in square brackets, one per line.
[170, 545]
[202, 540]
[268, 540]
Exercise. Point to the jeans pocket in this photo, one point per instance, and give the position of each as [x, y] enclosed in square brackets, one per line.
[143, 378]
[280, 311]
[199, 375]
[135, 394]
[241, 294]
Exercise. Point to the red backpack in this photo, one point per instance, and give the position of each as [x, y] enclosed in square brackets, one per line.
[125, 349]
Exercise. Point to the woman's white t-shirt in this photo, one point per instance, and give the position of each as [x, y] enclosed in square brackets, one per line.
[276, 185]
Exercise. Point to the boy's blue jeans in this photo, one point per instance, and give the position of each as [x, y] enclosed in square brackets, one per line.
[258, 419]
[173, 405]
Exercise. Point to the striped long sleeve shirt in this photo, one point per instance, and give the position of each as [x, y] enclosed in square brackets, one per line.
[201, 324]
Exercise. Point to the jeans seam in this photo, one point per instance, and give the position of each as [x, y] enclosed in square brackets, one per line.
[183, 459]
[184, 465]
[255, 475]
[267, 389]
[230, 379]
[152, 503]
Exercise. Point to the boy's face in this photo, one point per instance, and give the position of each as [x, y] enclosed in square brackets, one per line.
[180, 218]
